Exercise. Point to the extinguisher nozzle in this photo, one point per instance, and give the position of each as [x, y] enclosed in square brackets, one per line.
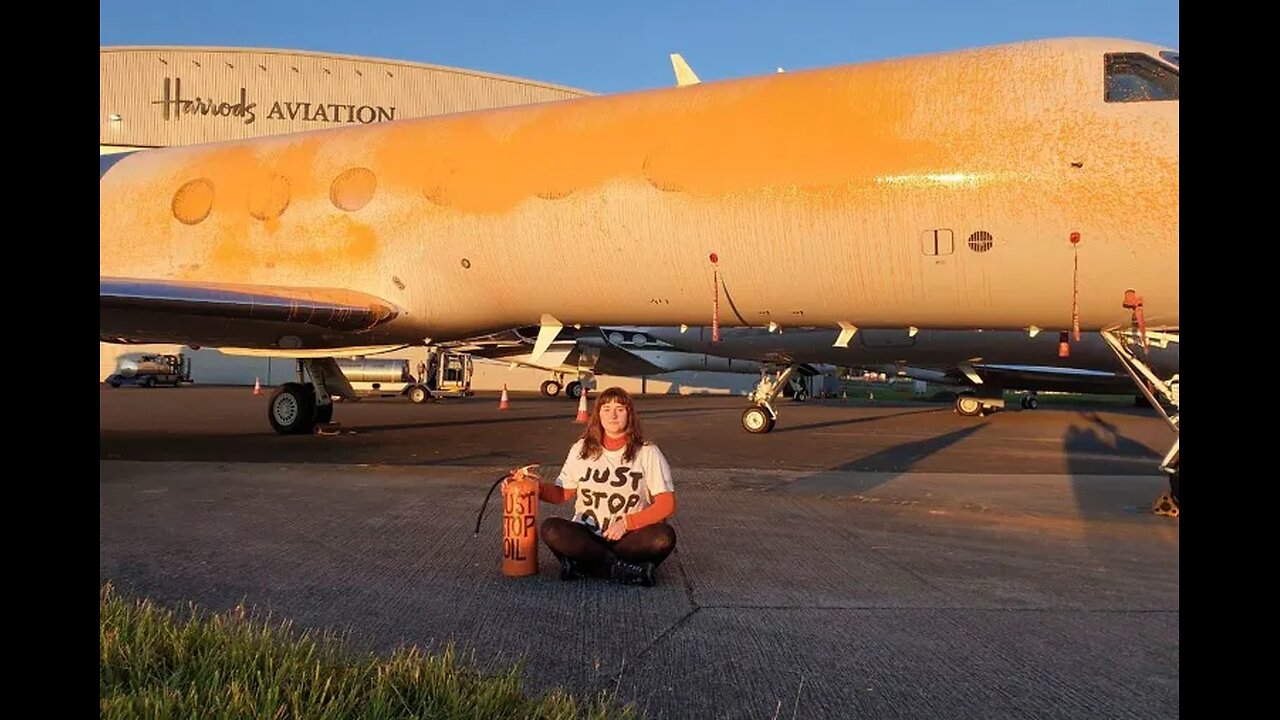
[485, 504]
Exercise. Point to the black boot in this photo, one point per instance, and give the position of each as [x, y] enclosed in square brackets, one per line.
[629, 573]
[571, 569]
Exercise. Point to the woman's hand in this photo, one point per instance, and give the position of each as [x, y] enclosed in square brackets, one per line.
[529, 471]
[617, 529]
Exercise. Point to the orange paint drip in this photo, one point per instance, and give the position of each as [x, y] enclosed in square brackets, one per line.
[1075, 286]
[1133, 301]
[715, 300]
[1075, 300]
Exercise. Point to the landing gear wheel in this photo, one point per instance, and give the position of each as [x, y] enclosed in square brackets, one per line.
[573, 390]
[418, 394]
[1030, 403]
[757, 420]
[800, 395]
[550, 388]
[292, 409]
[968, 405]
[324, 413]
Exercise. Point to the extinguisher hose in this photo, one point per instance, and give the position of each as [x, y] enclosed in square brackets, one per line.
[486, 501]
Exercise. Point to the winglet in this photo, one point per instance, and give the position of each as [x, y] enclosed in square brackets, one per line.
[970, 373]
[847, 331]
[547, 332]
[684, 74]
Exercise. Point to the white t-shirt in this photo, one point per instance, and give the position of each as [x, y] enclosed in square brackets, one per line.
[609, 488]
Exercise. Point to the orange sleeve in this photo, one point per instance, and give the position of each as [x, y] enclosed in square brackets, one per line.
[663, 507]
[554, 494]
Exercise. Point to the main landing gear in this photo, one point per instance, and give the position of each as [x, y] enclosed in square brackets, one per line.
[982, 400]
[573, 390]
[295, 408]
[552, 387]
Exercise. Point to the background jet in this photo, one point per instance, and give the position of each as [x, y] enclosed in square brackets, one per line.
[984, 363]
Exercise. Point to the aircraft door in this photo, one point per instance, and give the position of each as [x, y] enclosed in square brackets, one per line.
[939, 267]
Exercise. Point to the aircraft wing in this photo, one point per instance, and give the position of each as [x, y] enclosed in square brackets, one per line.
[493, 345]
[612, 361]
[583, 348]
[231, 315]
[1015, 377]
[1058, 379]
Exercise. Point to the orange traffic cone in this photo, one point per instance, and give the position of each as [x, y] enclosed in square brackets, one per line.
[583, 417]
[257, 387]
[504, 403]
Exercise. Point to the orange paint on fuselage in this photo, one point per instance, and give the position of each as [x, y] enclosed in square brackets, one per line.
[849, 165]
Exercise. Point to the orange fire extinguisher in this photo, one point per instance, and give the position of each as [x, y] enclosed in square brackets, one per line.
[519, 521]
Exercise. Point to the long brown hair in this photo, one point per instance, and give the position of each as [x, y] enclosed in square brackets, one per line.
[593, 435]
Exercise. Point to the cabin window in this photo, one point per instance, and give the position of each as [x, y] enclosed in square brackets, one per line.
[1134, 77]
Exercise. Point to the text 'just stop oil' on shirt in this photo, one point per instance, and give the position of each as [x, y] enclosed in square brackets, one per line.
[609, 488]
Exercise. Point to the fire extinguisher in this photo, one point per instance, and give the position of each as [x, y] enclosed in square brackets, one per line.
[519, 521]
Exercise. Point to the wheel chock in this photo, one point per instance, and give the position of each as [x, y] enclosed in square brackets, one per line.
[1165, 505]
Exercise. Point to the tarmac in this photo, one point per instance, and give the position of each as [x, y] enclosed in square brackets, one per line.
[863, 560]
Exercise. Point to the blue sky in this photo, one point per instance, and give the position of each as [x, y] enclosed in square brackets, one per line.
[613, 46]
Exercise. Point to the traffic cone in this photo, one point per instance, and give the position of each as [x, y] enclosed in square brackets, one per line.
[504, 403]
[257, 387]
[582, 409]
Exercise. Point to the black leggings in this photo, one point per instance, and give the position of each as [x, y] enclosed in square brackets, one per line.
[652, 543]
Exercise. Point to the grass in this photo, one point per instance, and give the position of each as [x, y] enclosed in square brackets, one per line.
[1078, 399]
[157, 664]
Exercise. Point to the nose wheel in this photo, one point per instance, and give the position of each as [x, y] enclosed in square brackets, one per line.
[761, 417]
[757, 420]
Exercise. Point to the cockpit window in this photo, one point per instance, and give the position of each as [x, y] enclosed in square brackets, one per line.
[1170, 57]
[1134, 77]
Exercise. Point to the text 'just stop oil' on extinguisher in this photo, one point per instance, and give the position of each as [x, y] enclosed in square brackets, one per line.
[519, 520]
